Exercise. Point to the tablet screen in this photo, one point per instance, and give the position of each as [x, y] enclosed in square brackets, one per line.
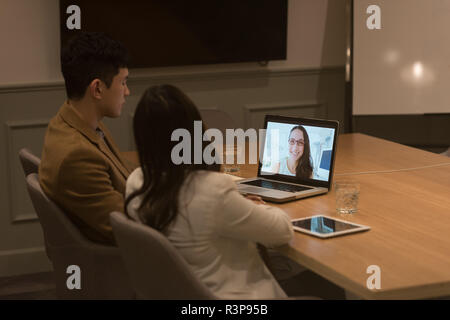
[323, 225]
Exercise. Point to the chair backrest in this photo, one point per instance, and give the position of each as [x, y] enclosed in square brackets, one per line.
[30, 163]
[103, 273]
[156, 269]
[217, 119]
[58, 229]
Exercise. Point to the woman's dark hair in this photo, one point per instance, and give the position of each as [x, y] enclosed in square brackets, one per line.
[161, 110]
[89, 56]
[304, 168]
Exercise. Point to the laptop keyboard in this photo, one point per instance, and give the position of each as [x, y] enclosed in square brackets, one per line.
[276, 185]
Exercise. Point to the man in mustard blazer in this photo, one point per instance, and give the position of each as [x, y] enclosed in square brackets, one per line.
[82, 169]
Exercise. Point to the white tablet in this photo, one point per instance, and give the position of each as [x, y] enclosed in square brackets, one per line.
[326, 227]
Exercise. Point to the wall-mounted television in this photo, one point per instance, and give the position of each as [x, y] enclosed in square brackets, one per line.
[187, 32]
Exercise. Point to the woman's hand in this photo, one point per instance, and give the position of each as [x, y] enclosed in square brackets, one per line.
[255, 199]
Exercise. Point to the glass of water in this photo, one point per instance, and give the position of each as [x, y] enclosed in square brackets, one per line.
[230, 151]
[347, 196]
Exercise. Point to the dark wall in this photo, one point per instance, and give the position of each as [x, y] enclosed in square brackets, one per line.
[429, 132]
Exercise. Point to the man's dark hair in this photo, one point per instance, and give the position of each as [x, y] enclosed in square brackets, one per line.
[90, 56]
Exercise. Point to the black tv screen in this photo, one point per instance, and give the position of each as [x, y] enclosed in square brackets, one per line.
[187, 32]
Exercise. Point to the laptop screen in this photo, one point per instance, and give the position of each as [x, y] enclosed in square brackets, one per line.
[298, 149]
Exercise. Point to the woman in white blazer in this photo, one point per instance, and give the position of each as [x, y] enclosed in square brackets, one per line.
[198, 208]
[201, 212]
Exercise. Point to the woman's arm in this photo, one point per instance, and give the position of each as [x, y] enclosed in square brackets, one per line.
[240, 218]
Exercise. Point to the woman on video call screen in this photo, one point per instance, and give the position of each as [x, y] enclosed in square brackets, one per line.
[296, 150]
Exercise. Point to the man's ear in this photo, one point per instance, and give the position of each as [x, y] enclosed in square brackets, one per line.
[96, 89]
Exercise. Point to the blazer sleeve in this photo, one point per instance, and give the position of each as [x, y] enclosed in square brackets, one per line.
[128, 163]
[240, 218]
[85, 190]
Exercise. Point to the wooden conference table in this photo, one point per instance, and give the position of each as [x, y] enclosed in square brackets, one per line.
[408, 212]
[405, 199]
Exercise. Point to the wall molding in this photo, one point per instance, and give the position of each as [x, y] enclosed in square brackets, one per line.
[12, 158]
[176, 75]
[250, 109]
[24, 261]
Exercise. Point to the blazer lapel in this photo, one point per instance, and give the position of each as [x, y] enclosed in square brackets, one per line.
[113, 149]
[111, 152]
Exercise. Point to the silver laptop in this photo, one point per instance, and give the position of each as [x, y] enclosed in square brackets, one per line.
[296, 159]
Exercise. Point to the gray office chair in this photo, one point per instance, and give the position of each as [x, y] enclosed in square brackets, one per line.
[217, 119]
[30, 163]
[156, 268]
[103, 273]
